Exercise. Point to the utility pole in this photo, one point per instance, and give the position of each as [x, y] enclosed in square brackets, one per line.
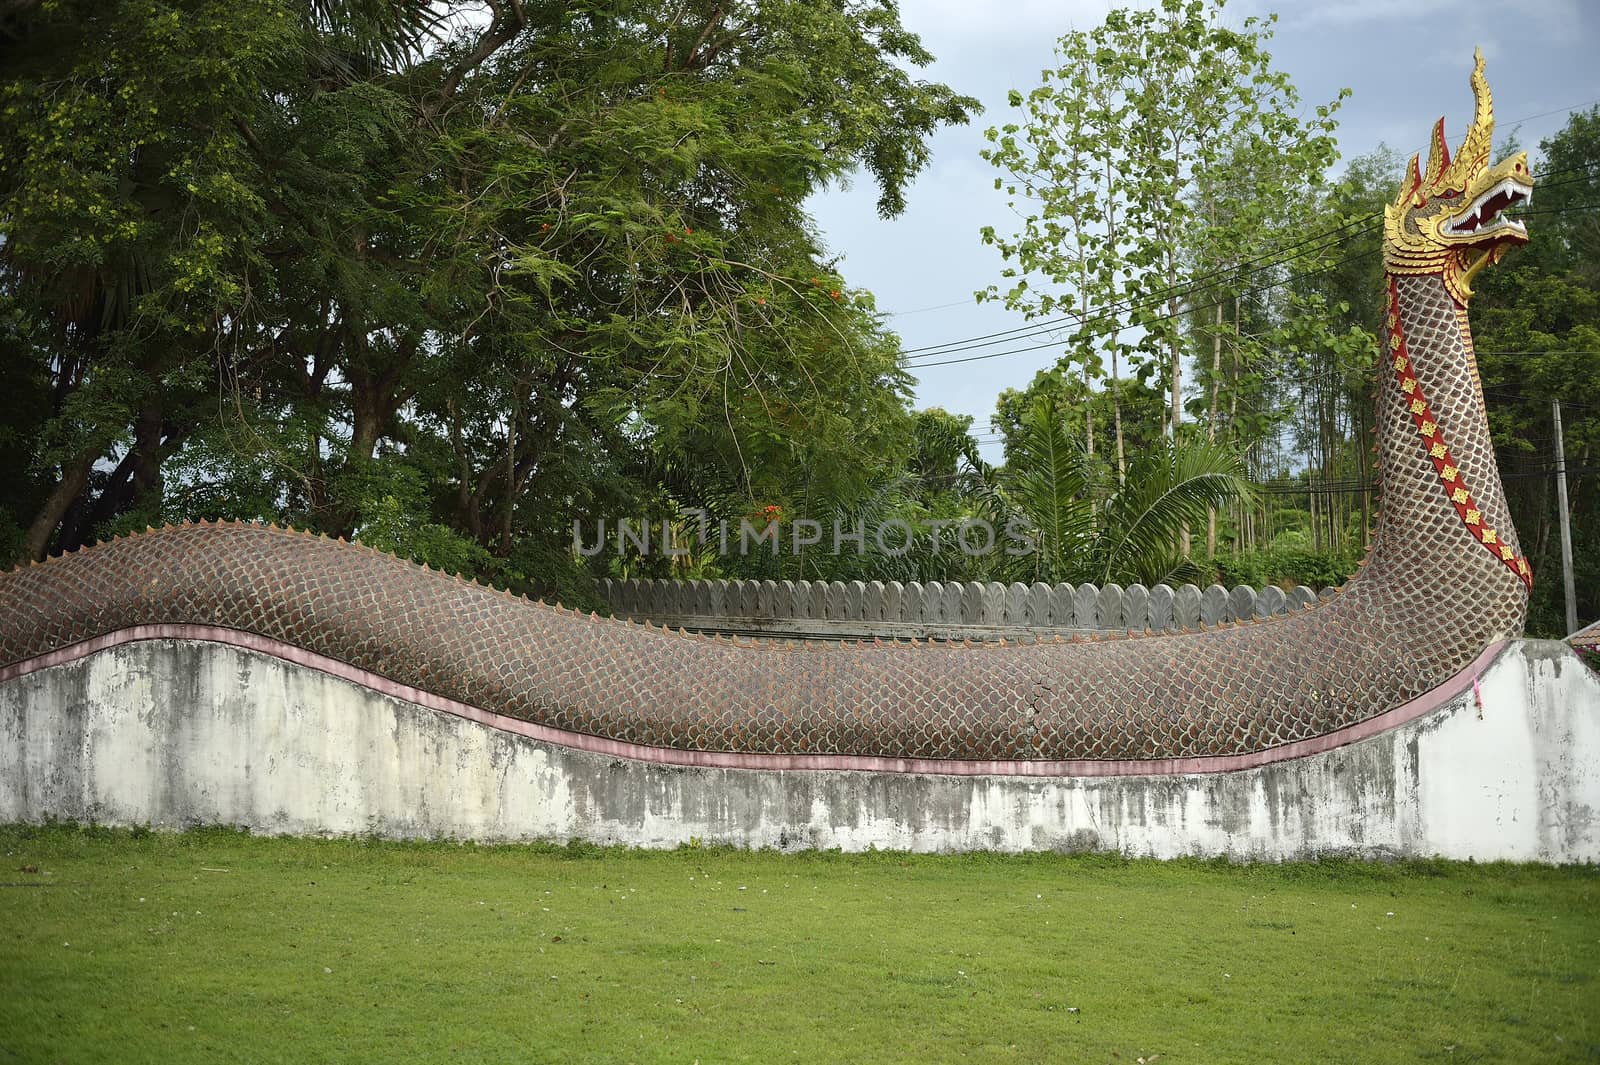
[1565, 522]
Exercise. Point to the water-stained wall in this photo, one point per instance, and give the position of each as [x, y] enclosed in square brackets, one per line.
[176, 732]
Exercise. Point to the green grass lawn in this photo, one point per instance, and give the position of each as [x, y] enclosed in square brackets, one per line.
[214, 946]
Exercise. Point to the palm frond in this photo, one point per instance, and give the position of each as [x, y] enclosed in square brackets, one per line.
[390, 32]
[1169, 488]
[1049, 483]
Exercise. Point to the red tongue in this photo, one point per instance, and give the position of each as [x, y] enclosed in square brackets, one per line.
[1497, 203]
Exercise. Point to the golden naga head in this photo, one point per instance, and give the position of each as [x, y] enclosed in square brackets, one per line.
[1447, 221]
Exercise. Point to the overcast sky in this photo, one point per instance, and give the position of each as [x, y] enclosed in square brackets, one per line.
[1407, 63]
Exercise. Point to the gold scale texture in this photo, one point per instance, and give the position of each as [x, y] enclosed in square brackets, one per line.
[1429, 599]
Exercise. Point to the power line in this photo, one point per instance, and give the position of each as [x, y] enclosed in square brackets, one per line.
[925, 310]
[993, 433]
[1547, 114]
[1051, 325]
[1158, 295]
[1118, 327]
[1024, 332]
[1161, 317]
[1351, 488]
[1153, 298]
[1299, 249]
[1571, 404]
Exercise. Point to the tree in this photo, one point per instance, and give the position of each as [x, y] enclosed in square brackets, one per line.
[1131, 401]
[1162, 149]
[449, 297]
[1162, 156]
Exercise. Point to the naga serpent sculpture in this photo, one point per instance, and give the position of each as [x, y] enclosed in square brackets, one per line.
[1444, 581]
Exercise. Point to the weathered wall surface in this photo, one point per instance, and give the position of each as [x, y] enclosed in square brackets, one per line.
[174, 733]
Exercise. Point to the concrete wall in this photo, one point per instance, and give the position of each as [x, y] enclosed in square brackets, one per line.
[174, 733]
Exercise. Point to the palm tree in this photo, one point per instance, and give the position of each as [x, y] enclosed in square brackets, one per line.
[1085, 527]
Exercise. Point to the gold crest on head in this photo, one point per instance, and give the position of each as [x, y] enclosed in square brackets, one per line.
[1447, 220]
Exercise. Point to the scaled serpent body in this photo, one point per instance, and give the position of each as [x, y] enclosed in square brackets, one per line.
[1431, 596]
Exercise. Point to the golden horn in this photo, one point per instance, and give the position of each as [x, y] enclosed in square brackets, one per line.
[1438, 159]
[1410, 185]
[1473, 155]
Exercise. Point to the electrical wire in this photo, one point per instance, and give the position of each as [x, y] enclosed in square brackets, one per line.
[1132, 303]
[1339, 235]
[1118, 327]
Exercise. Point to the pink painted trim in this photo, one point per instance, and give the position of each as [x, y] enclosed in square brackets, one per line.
[1427, 703]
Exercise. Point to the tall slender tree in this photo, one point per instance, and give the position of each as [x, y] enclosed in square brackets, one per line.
[1163, 153]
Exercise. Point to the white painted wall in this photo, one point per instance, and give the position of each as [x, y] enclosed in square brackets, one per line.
[176, 733]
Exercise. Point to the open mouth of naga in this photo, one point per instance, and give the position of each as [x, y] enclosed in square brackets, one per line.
[1483, 217]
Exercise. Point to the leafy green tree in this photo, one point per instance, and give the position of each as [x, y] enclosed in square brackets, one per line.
[940, 442]
[1162, 149]
[1130, 401]
[1329, 376]
[126, 228]
[443, 284]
